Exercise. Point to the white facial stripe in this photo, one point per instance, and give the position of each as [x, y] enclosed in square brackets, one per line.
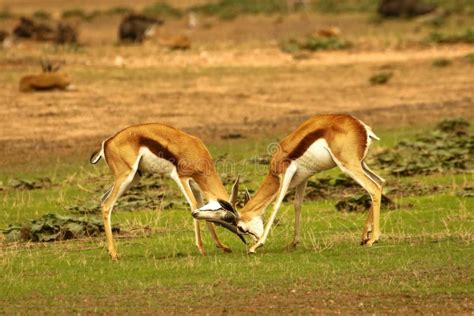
[211, 206]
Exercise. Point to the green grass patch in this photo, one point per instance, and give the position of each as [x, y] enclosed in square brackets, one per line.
[81, 14]
[314, 43]
[469, 58]
[333, 7]
[41, 14]
[162, 9]
[467, 36]
[229, 9]
[119, 10]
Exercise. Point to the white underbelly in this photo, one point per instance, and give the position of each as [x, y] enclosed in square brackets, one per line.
[315, 159]
[151, 163]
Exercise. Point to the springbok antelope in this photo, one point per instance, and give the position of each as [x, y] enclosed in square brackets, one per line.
[320, 143]
[50, 79]
[162, 149]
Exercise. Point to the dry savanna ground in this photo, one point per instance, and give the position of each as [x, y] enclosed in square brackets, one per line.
[234, 79]
[236, 82]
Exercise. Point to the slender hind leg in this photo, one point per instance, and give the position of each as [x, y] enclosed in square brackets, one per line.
[199, 202]
[370, 183]
[299, 195]
[371, 232]
[121, 184]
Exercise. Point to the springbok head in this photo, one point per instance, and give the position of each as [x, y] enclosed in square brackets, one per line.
[48, 66]
[225, 214]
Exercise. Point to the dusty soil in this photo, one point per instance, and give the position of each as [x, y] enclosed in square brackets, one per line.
[274, 301]
[235, 79]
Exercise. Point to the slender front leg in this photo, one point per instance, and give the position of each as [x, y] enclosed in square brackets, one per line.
[299, 195]
[289, 173]
[188, 194]
[197, 236]
[367, 227]
[199, 202]
[216, 239]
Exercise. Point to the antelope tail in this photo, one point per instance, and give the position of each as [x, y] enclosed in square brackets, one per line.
[97, 155]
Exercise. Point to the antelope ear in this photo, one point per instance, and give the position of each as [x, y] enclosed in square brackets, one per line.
[234, 195]
[246, 197]
[45, 66]
[226, 206]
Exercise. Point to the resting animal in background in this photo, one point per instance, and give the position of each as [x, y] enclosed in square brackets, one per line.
[403, 8]
[62, 33]
[320, 143]
[49, 79]
[158, 148]
[136, 27]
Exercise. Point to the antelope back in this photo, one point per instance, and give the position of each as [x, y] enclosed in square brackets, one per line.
[45, 81]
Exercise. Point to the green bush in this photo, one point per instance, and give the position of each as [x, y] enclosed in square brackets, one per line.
[448, 147]
[329, 6]
[162, 9]
[5, 13]
[444, 38]
[40, 14]
[469, 58]
[119, 10]
[314, 43]
[228, 9]
[441, 62]
[80, 13]
[455, 6]
[380, 78]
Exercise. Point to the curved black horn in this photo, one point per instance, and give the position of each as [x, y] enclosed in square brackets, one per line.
[234, 195]
[232, 228]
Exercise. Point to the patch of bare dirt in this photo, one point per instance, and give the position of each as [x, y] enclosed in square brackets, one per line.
[228, 83]
[271, 301]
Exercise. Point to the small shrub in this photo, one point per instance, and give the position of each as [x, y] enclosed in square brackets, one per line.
[230, 9]
[469, 58]
[456, 6]
[438, 21]
[74, 13]
[448, 147]
[43, 15]
[380, 78]
[443, 38]
[162, 9]
[79, 13]
[119, 10]
[314, 43]
[328, 6]
[5, 13]
[441, 62]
